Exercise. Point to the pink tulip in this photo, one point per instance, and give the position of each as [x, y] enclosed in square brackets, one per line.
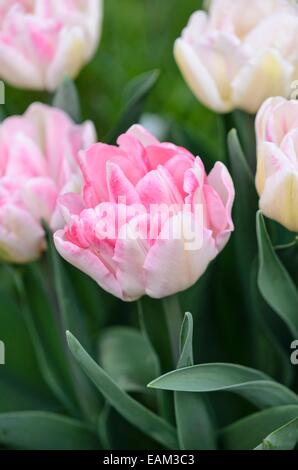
[42, 41]
[240, 53]
[38, 162]
[112, 232]
[277, 170]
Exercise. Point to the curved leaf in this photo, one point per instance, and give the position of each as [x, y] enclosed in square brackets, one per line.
[284, 438]
[186, 337]
[130, 409]
[257, 387]
[248, 432]
[274, 282]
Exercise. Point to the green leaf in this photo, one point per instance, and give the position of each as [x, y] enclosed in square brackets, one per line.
[248, 432]
[45, 431]
[127, 357]
[257, 387]
[284, 438]
[136, 93]
[130, 409]
[274, 282]
[67, 99]
[266, 341]
[194, 425]
[186, 336]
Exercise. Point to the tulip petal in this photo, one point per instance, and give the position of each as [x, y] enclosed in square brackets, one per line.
[279, 200]
[170, 265]
[158, 187]
[119, 186]
[69, 57]
[21, 237]
[279, 195]
[40, 197]
[199, 79]
[88, 263]
[130, 253]
[17, 70]
[267, 74]
[142, 135]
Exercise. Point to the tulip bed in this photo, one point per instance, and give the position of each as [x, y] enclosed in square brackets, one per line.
[135, 343]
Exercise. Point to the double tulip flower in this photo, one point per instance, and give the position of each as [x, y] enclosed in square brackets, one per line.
[42, 41]
[240, 53]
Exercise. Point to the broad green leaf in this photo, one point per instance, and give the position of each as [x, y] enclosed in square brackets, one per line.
[136, 93]
[72, 316]
[194, 425]
[284, 438]
[248, 432]
[67, 99]
[274, 282]
[251, 384]
[127, 357]
[45, 431]
[130, 409]
[266, 342]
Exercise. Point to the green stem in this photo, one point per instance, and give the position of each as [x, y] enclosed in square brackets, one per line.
[160, 321]
[174, 318]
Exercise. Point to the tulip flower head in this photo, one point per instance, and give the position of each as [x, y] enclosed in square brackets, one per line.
[277, 158]
[238, 55]
[42, 41]
[38, 162]
[149, 220]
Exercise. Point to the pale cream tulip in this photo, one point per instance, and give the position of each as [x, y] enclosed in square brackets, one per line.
[239, 53]
[277, 158]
